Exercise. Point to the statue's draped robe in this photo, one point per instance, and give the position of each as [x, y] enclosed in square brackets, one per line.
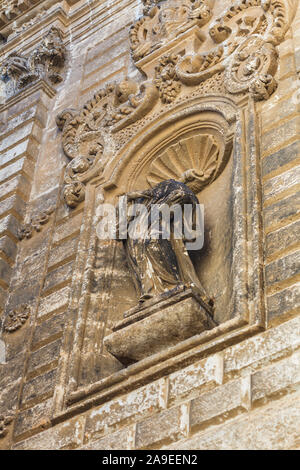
[159, 265]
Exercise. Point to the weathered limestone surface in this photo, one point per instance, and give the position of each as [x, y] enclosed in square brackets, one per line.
[93, 106]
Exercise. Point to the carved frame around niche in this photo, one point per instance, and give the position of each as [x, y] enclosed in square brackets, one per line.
[239, 124]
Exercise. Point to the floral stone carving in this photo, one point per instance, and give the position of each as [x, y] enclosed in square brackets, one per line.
[36, 223]
[45, 62]
[167, 80]
[16, 318]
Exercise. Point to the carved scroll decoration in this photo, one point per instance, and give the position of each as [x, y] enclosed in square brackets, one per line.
[111, 109]
[241, 44]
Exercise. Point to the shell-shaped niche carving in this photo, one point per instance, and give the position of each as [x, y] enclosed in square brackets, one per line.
[194, 160]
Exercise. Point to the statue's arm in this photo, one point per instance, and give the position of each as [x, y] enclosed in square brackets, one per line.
[137, 194]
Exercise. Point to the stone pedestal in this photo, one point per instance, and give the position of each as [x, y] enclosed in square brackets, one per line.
[154, 328]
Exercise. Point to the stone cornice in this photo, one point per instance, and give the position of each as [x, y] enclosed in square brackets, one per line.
[40, 85]
[17, 12]
[29, 36]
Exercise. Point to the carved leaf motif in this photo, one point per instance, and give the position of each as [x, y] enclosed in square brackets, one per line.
[194, 161]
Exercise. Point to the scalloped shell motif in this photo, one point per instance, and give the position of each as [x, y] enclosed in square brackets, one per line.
[193, 160]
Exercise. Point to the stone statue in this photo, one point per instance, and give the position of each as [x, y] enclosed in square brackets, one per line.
[160, 265]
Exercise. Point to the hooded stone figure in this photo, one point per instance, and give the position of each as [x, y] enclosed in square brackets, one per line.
[156, 254]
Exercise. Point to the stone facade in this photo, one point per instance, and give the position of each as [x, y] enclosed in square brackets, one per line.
[103, 98]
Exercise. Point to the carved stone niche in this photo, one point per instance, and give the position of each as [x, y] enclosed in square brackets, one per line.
[205, 133]
[196, 155]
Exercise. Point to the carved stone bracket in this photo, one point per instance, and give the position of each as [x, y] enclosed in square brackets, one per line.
[16, 318]
[45, 62]
[158, 326]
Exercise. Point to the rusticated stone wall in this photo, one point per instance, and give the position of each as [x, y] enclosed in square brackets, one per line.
[61, 290]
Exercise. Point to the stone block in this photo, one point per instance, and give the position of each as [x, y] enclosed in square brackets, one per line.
[273, 427]
[40, 386]
[279, 135]
[164, 426]
[276, 378]
[158, 326]
[58, 276]
[284, 182]
[56, 300]
[63, 251]
[283, 157]
[283, 238]
[262, 347]
[283, 268]
[44, 356]
[11, 371]
[231, 398]
[36, 417]
[5, 271]
[284, 301]
[9, 398]
[10, 224]
[122, 411]
[13, 203]
[282, 212]
[20, 134]
[18, 183]
[121, 440]
[50, 329]
[199, 375]
[67, 228]
[68, 435]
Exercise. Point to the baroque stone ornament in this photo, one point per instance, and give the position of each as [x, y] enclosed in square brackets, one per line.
[252, 68]
[163, 22]
[45, 62]
[5, 421]
[36, 223]
[176, 45]
[171, 23]
[166, 79]
[84, 133]
[10, 9]
[16, 318]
